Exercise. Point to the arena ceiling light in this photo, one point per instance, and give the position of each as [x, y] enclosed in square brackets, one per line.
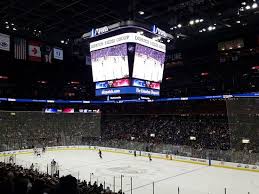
[245, 141]
[203, 30]
[175, 27]
[196, 21]
[248, 7]
[238, 21]
[141, 12]
[191, 22]
[255, 5]
[210, 28]
[62, 41]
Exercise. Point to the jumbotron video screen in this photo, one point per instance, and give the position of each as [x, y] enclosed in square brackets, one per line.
[118, 69]
[110, 63]
[148, 64]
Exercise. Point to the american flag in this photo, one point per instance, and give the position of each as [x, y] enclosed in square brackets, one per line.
[20, 51]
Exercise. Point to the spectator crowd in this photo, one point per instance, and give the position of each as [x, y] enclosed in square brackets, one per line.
[15, 179]
[20, 130]
[210, 132]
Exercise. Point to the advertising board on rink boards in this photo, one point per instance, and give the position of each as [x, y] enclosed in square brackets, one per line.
[125, 38]
[232, 165]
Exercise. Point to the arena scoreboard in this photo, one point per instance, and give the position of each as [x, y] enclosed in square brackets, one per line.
[127, 63]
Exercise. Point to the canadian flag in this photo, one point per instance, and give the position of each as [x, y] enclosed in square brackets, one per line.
[34, 51]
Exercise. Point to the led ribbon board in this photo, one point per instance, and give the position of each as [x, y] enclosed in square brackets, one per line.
[125, 38]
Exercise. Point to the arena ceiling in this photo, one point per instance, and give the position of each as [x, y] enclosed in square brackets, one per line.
[59, 19]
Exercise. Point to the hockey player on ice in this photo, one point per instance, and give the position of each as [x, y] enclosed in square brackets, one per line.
[100, 154]
[149, 156]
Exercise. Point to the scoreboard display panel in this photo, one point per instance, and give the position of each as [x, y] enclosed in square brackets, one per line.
[110, 63]
[129, 64]
[148, 64]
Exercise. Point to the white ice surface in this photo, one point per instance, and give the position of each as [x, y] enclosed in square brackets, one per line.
[167, 175]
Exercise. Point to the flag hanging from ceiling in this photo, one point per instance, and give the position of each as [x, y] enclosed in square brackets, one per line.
[20, 51]
[34, 51]
[46, 54]
[58, 53]
[4, 42]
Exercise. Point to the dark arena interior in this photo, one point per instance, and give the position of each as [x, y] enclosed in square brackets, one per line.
[132, 96]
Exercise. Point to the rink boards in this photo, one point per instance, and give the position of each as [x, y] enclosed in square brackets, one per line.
[215, 163]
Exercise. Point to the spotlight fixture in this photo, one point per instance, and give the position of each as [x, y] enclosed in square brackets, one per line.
[141, 12]
[201, 20]
[191, 22]
[7, 27]
[210, 28]
[179, 25]
[238, 21]
[62, 41]
[197, 21]
[168, 40]
[248, 7]
[255, 5]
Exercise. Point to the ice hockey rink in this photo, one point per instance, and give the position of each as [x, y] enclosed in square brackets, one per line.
[164, 176]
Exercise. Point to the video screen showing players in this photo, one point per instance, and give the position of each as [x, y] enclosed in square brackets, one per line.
[148, 64]
[110, 63]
